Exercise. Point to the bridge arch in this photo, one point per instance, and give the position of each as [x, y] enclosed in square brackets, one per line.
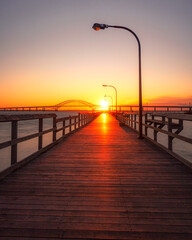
[83, 103]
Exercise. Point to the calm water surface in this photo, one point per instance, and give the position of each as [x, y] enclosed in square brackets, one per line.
[26, 128]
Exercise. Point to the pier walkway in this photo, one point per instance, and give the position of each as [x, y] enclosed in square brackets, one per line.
[100, 183]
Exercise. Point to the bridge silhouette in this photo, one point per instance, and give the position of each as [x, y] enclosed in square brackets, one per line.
[73, 103]
[80, 104]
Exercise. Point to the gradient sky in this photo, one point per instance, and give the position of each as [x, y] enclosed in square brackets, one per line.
[49, 52]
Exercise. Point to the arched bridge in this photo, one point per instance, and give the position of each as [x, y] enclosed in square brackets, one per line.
[79, 103]
[68, 103]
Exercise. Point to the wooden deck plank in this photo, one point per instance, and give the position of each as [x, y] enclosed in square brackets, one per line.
[100, 183]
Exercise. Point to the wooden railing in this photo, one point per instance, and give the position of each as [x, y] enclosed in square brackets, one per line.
[69, 125]
[160, 123]
[155, 108]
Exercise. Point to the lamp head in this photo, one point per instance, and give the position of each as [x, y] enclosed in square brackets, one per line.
[104, 85]
[98, 26]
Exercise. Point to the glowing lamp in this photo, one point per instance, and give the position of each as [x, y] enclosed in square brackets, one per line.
[98, 26]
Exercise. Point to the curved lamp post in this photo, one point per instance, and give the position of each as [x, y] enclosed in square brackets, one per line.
[111, 100]
[98, 26]
[115, 92]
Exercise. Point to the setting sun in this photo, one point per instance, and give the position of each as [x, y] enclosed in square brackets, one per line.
[104, 105]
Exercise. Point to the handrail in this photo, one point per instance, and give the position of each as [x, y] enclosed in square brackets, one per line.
[69, 125]
[155, 108]
[22, 139]
[168, 121]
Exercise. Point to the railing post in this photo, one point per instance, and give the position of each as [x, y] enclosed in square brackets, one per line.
[54, 129]
[75, 123]
[154, 132]
[129, 120]
[40, 140]
[14, 129]
[163, 119]
[132, 120]
[146, 128]
[79, 119]
[63, 127]
[170, 139]
[69, 123]
[135, 119]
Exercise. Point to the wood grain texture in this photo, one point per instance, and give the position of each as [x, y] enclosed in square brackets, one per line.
[100, 183]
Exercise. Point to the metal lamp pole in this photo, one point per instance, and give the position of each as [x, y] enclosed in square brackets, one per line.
[115, 92]
[98, 26]
[111, 100]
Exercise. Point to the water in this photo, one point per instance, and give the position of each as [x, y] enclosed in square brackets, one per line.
[25, 128]
[180, 147]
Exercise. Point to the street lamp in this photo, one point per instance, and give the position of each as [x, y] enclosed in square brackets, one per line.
[111, 100]
[98, 26]
[115, 92]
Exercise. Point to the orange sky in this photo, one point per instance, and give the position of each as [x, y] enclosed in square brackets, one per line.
[49, 53]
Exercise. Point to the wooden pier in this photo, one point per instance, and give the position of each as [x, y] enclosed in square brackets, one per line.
[100, 183]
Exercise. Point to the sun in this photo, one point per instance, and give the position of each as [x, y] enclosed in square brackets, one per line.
[104, 105]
